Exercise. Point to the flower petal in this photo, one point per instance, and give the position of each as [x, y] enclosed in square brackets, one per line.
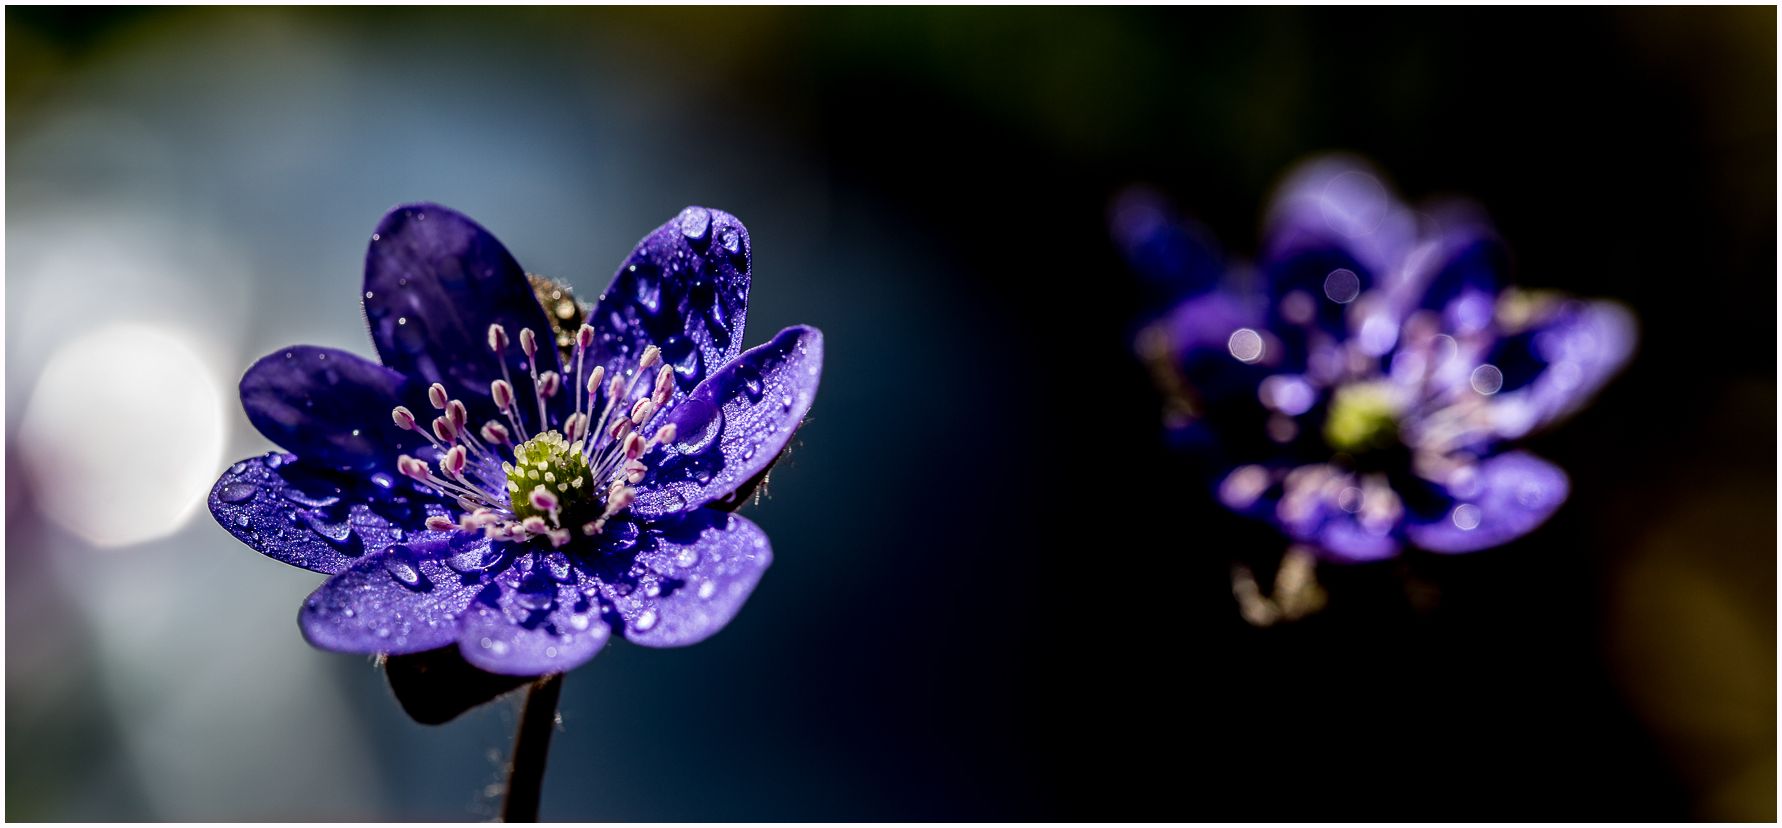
[734, 424]
[1178, 255]
[1457, 270]
[330, 407]
[690, 576]
[434, 282]
[402, 599]
[438, 685]
[529, 624]
[1342, 538]
[1555, 363]
[1332, 213]
[685, 289]
[1506, 497]
[315, 517]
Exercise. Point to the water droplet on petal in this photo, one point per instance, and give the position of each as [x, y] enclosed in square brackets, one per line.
[695, 222]
[237, 492]
[748, 380]
[644, 620]
[536, 594]
[557, 564]
[312, 501]
[1342, 286]
[1487, 379]
[697, 425]
[681, 353]
[620, 535]
[403, 567]
[474, 558]
[340, 535]
[1245, 344]
[1466, 517]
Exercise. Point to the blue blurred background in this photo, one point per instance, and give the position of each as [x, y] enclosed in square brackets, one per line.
[993, 597]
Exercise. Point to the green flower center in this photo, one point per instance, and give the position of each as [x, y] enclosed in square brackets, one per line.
[1362, 416]
[550, 462]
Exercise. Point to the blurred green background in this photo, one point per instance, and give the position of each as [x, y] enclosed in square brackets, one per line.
[971, 615]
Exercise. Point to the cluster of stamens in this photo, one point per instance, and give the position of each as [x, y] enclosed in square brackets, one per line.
[574, 475]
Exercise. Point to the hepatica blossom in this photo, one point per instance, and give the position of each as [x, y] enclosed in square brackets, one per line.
[514, 480]
[1363, 386]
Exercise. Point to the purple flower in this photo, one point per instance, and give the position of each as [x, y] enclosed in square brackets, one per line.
[1362, 387]
[509, 480]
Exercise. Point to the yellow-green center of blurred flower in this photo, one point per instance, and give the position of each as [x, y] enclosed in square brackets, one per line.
[1362, 416]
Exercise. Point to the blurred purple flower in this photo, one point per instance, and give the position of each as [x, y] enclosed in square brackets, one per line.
[1362, 387]
[564, 481]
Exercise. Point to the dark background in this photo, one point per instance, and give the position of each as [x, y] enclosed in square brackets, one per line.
[995, 596]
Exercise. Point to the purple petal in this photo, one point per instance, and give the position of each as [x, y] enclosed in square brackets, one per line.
[330, 407]
[529, 624]
[1333, 214]
[434, 282]
[734, 424]
[1506, 497]
[1322, 505]
[1554, 365]
[1176, 254]
[685, 289]
[690, 577]
[1342, 538]
[1196, 339]
[315, 517]
[1457, 270]
[403, 599]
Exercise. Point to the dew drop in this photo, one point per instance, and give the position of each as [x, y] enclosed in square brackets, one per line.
[1487, 379]
[298, 497]
[557, 564]
[695, 223]
[535, 597]
[749, 380]
[644, 621]
[1342, 286]
[648, 288]
[681, 353]
[403, 568]
[339, 535]
[697, 424]
[1245, 344]
[237, 492]
[620, 535]
[1466, 517]
[473, 559]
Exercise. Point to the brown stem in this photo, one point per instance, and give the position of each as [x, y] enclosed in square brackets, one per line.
[525, 769]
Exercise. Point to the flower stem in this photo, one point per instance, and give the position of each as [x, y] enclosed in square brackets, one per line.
[525, 769]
